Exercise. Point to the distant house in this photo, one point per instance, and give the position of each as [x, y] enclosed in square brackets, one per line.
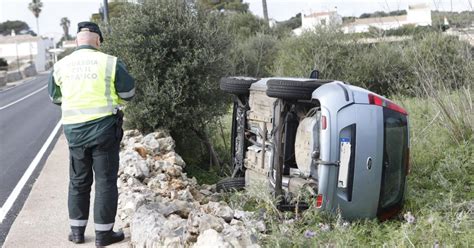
[318, 19]
[25, 48]
[418, 15]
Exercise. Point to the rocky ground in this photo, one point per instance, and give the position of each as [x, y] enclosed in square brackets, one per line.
[164, 208]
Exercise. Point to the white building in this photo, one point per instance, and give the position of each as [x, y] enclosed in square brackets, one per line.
[24, 48]
[418, 15]
[318, 19]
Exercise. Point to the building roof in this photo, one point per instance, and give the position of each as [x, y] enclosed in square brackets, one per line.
[18, 38]
[316, 14]
[378, 20]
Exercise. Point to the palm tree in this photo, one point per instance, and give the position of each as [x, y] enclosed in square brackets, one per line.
[65, 23]
[35, 7]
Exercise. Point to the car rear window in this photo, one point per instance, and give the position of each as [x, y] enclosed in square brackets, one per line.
[395, 152]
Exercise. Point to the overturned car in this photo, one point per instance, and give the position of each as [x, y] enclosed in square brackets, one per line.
[344, 145]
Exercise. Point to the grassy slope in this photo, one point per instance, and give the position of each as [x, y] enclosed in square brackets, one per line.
[440, 198]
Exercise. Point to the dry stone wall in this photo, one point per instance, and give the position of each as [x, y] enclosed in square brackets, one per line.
[164, 208]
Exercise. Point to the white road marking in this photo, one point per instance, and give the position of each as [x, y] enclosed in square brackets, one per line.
[17, 190]
[5, 89]
[23, 98]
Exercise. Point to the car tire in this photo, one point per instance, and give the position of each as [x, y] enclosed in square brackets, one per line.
[237, 85]
[292, 89]
[230, 184]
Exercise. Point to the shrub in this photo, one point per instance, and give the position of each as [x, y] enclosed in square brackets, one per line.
[176, 53]
[324, 49]
[441, 64]
[254, 56]
[245, 25]
[440, 61]
[386, 68]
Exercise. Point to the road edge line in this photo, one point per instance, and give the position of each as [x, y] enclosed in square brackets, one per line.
[23, 98]
[26, 176]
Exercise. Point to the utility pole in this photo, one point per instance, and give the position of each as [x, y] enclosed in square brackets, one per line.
[106, 13]
[265, 11]
[13, 34]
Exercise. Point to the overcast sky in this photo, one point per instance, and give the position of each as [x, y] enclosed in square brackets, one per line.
[81, 10]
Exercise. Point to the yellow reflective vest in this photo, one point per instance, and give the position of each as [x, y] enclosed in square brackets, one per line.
[87, 82]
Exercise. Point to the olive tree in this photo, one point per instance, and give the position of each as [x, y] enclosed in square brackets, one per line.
[176, 52]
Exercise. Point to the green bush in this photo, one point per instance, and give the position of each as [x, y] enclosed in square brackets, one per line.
[244, 25]
[224, 5]
[439, 61]
[176, 52]
[254, 56]
[410, 30]
[384, 67]
[323, 49]
[379, 68]
[462, 19]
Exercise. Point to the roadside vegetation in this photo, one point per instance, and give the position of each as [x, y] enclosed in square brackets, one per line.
[178, 52]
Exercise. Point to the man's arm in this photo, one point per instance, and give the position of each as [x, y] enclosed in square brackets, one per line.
[124, 82]
[54, 90]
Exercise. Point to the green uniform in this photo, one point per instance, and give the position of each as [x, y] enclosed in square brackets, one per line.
[90, 85]
[81, 133]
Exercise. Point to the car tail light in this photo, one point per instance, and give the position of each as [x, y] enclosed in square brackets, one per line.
[379, 101]
[324, 122]
[319, 201]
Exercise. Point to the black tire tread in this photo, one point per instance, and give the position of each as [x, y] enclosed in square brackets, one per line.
[237, 85]
[292, 89]
[230, 184]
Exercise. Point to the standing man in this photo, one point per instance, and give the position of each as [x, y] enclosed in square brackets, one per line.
[89, 86]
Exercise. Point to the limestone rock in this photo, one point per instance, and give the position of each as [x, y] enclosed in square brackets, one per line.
[238, 236]
[165, 208]
[211, 238]
[174, 158]
[242, 215]
[166, 144]
[150, 228]
[219, 209]
[141, 150]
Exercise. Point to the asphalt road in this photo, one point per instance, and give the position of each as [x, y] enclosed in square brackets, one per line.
[27, 120]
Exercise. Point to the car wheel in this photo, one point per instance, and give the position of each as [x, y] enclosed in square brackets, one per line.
[230, 184]
[237, 85]
[293, 90]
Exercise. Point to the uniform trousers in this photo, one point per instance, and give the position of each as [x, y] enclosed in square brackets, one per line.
[100, 159]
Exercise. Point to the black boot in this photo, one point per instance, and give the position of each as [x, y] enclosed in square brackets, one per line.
[108, 237]
[77, 234]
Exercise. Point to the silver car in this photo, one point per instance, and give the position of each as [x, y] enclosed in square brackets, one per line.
[347, 147]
